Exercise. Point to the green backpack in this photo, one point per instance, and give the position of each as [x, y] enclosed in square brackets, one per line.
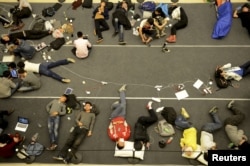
[3, 67]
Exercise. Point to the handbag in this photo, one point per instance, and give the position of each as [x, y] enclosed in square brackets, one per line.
[164, 128]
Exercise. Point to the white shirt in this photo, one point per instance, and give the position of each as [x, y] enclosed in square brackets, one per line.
[207, 141]
[33, 67]
[82, 47]
[24, 3]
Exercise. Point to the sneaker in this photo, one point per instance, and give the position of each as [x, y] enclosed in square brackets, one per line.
[122, 42]
[165, 50]
[159, 109]
[99, 40]
[230, 104]
[123, 88]
[52, 147]
[71, 60]
[213, 110]
[149, 105]
[65, 80]
[184, 113]
[58, 158]
[11, 111]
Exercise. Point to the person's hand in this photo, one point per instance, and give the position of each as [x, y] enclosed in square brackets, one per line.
[147, 145]
[89, 133]
[16, 139]
[80, 124]
[54, 113]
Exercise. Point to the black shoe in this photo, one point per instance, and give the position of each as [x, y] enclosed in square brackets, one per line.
[115, 33]
[122, 42]
[66, 161]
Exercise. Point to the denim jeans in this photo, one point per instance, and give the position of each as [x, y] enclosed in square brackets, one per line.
[246, 68]
[119, 28]
[119, 109]
[213, 126]
[45, 67]
[73, 142]
[182, 122]
[53, 125]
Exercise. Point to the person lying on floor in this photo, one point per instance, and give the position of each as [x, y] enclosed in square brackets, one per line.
[233, 73]
[119, 130]
[8, 39]
[243, 13]
[23, 49]
[44, 68]
[179, 14]
[141, 136]
[85, 121]
[236, 136]
[29, 82]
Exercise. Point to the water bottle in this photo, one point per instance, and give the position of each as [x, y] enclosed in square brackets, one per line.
[170, 140]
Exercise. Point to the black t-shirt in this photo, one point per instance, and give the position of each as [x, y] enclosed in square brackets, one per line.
[245, 19]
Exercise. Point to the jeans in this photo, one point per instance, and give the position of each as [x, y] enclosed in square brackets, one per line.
[45, 67]
[73, 142]
[53, 125]
[148, 120]
[3, 122]
[119, 109]
[235, 119]
[211, 127]
[119, 28]
[182, 122]
[246, 69]
[179, 25]
[101, 25]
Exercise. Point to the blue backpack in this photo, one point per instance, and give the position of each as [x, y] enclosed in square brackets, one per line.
[148, 6]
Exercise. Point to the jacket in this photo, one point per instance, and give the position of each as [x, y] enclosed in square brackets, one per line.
[229, 72]
[234, 134]
[122, 17]
[189, 138]
[6, 85]
[140, 133]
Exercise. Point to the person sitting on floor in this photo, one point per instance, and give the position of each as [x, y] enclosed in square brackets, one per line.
[30, 81]
[119, 130]
[7, 86]
[85, 121]
[243, 13]
[207, 130]
[100, 15]
[234, 73]
[160, 22]
[82, 46]
[3, 122]
[23, 10]
[8, 39]
[141, 136]
[55, 109]
[23, 49]
[235, 135]
[8, 144]
[44, 68]
[179, 14]
[147, 30]
[120, 21]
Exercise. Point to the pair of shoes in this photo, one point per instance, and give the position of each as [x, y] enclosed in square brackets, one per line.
[71, 60]
[230, 104]
[149, 105]
[171, 39]
[58, 158]
[52, 147]
[213, 110]
[122, 42]
[123, 88]
[99, 40]
[184, 113]
[11, 111]
[66, 80]
[115, 33]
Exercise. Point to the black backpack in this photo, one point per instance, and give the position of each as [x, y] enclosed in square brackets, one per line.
[48, 12]
[39, 25]
[87, 3]
[169, 114]
[57, 43]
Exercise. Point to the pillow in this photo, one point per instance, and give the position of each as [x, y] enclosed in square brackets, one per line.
[127, 151]
[196, 154]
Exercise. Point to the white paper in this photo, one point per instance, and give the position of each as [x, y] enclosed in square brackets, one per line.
[198, 84]
[181, 94]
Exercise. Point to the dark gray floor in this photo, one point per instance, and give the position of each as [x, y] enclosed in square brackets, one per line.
[194, 56]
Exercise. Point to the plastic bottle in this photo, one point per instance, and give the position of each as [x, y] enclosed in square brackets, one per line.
[170, 140]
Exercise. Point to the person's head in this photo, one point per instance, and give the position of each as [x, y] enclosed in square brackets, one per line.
[245, 9]
[16, 41]
[21, 64]
[174, 2]
[124, 5]
[120, 143]
[103, 3]
[218, 72]
[87, 106]
[5, 38]
[12, 65]
[21, 73]
[188, 150]
[150, 21]
[79, 34]
[6, 74]
[138, 145]
[158, 11]
[63, 98]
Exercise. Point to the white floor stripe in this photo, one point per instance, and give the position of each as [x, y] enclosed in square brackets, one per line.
[132, 98]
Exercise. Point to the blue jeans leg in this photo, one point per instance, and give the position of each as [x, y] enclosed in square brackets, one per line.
[120, 110]
[182, 122]
[53, 126]
[213, 126]
[246, 69]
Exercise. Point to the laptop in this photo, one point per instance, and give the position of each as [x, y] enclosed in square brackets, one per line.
[22, 124]
[68, 91]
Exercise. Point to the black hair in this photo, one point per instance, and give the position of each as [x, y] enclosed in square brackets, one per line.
[16, 41]
[138, 145]
[79, 34]
[21, 71]
[88, 103]
[119, 146]
[21, 64]
[150, 21]
[6, 73]
[218, 72]
[3, 41]
[5, 138]
[66, 96]
[12, 65]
